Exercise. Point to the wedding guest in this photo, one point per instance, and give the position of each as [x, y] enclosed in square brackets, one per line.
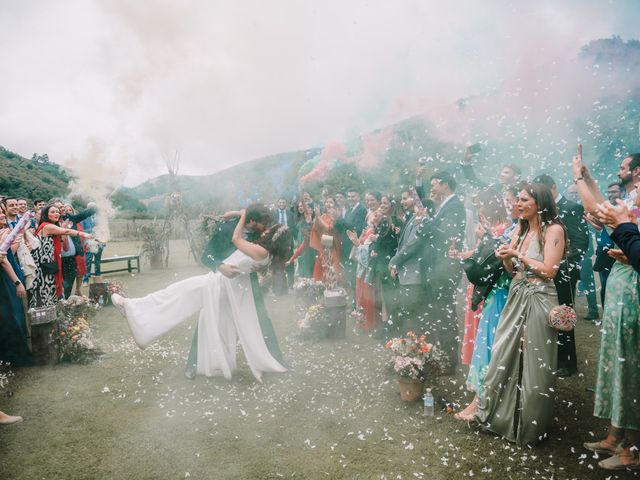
[13, 330]
[23, 206]
[282, 272]
[604, 262]
[80, 248]
[618, 383]
[93, 251]
[353, 220]
[366, 299]
[495, 224]
[12, 211]
[372, 201]
[305, 255]
[517, 398]
[383, 248]
[48, 284]
[572, 216]
[324, 225]
[442, 232]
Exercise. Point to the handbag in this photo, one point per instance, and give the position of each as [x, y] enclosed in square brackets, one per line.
[49, 268]
[483, 268]
[562, 318]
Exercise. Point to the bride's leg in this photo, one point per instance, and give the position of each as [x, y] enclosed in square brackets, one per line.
[155, 314]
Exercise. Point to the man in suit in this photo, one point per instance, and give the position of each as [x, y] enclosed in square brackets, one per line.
[406, 266]
[572, 215]
[219, 247]
[283, 276]
[443, 231]
[354, 219]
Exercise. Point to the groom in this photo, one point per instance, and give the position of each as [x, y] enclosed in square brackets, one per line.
[220, 246]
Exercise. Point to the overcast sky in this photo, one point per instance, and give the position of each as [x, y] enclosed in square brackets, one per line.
[226, 82]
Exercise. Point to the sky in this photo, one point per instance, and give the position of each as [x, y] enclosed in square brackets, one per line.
[122, 86]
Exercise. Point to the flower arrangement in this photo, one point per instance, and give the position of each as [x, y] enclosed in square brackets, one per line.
[413, 356]
[77, 306]
[308, 289]
[73, 335]
[74, 338]
[314, 322]
[116, 287]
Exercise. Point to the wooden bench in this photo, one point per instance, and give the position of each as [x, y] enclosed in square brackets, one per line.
[128, 258]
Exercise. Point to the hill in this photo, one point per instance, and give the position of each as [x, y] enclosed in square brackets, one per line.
[31, 179]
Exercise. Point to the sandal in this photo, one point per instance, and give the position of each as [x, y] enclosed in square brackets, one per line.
[616, 461]
[608, 446]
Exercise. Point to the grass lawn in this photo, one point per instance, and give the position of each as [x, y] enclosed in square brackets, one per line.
[338, 415]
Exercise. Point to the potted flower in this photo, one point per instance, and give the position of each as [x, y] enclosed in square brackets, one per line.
[412, 355]
[314, 323]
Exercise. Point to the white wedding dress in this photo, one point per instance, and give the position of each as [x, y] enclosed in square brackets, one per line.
[227, 313]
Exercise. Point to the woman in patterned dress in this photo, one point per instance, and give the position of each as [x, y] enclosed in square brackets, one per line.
[47, 286]
[618, 384]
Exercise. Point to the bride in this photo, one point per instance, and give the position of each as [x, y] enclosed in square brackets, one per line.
[226, 305]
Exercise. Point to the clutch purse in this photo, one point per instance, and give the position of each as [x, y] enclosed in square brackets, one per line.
[562, 318]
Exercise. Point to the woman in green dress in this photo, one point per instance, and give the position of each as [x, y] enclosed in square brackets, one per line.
[518, 394]
[305, 255]
[618, 385]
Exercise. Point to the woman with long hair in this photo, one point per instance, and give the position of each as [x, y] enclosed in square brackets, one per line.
[13, 332]
[517, 398]
[47, 287]
[383, 248]
[366, 299]
[305, 255]
[323, 224]
[493, 225]
[226, 306]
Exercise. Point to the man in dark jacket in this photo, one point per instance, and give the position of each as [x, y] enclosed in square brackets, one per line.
[572, 215]
[354, 220]
[443, 231]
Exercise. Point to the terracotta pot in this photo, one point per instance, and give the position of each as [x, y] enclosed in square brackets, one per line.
[410, 389]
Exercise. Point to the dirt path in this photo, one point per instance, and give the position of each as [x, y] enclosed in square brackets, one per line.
[133, 415]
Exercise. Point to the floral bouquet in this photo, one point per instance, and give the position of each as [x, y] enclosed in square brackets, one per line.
[413, 356]
[74, 338]
[116, 287]
[314, 322]
[308, 287]
[77, 306]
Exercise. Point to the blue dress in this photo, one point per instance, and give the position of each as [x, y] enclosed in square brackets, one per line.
[493, 306]
[13, 336]
[487, 326]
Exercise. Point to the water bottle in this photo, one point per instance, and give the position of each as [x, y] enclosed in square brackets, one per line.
[428, 403]
[101, 301]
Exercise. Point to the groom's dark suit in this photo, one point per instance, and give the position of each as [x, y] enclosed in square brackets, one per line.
[217, 250]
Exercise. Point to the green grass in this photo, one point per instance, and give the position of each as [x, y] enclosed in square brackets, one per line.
[337, 415]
